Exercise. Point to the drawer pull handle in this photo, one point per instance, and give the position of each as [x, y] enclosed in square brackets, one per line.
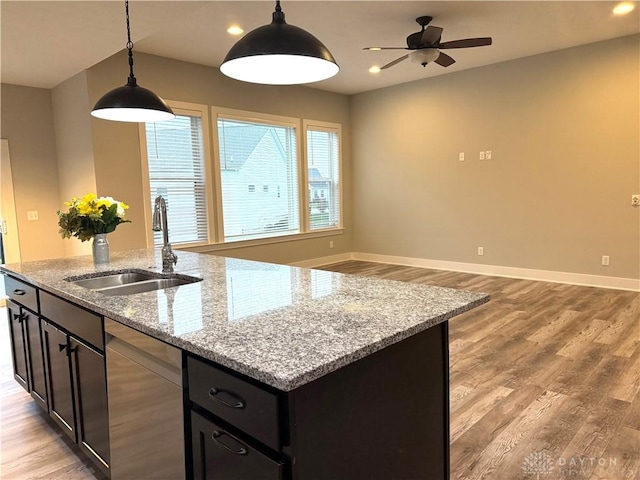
[215, 393]
[18, 291]
[216, 437]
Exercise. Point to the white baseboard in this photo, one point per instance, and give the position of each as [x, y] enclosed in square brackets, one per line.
[317, 262]
[617, 283]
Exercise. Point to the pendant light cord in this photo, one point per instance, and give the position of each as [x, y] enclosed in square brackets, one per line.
[132, 78]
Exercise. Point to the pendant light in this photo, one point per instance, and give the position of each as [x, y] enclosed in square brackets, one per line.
[279, 54]
[131, 103]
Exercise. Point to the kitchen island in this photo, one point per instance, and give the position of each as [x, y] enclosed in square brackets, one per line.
[350, 373]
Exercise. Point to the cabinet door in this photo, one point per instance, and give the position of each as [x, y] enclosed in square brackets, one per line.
[57, 350]
[35, 358]
[18, 345]
[90, 388]
[219, 455]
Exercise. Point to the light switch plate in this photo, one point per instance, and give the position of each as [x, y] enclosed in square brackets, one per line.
[32, 215]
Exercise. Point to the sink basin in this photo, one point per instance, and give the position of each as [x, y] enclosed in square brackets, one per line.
[130, 282]
[117, 279]
[147, 286]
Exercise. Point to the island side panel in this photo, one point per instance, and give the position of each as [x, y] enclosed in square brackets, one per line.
[384, 416]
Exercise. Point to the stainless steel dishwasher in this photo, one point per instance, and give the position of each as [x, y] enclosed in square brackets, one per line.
[146, 426]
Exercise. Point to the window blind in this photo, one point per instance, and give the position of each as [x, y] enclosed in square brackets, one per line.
[177, 172]
[324, 178]
[259, 179]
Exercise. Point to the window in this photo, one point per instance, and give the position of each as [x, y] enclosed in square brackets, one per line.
[271, 176]
[177, 171]
[252, 152]
[323, 170]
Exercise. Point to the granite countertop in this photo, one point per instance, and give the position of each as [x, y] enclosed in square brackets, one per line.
[284, 326]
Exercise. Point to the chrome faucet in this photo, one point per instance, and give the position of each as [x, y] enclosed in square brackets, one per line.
[169, 259]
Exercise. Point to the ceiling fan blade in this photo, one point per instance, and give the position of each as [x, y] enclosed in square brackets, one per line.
[384, 48]
[431, 35]
[444, 60]
[467, 42]
[397, 60]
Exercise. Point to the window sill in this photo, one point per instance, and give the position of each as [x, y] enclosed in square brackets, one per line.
[215, 247]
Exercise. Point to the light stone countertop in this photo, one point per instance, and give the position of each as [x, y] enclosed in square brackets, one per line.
[284, 326]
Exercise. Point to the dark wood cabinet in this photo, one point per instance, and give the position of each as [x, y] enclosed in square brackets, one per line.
[19, 355]
[76, 373]
[90, 393]
[35, 354]
[385, 416]
[220, 455]
[250, 408]
[26, 339]
[57, 351]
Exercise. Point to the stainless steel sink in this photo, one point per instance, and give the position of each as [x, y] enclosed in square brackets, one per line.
[117, 279]
[130, 282]
[147, 286]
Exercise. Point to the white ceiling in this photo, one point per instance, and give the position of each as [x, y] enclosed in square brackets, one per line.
[45, 42]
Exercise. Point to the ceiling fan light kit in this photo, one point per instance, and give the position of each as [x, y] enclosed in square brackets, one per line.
[424, 46]
[279, 54]
[131, 103]
[424, 56]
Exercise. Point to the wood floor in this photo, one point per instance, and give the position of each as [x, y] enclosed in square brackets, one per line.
[544, 378]
[544, 385]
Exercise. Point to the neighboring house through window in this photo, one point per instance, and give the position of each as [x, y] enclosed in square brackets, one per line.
[323, 164]
[253, 153]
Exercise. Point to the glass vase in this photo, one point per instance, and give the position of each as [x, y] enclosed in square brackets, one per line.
[100, 249]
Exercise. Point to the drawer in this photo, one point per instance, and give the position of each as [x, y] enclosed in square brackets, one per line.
[219, 454]
[244, 405]
[76, 320]
[22, 293]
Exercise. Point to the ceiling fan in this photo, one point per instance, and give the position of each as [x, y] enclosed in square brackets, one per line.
[425, 46]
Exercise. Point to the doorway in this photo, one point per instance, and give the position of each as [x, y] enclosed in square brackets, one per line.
[9, 238]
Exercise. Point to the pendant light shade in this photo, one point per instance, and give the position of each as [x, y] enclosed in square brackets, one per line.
[131, 103]
[279, 54]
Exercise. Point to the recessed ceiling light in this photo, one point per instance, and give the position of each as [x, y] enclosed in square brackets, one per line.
[374, 69]
[235, 30]
[623, 8]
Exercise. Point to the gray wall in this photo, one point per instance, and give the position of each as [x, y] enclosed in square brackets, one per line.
[564, 133]
[74, 149]
[27, 123]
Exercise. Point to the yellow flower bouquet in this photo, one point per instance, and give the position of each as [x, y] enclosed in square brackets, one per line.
[91, 215]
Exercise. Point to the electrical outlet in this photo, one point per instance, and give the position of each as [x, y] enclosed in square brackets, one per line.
[331, 244]
[482, 155]
[481, 251]
[635, 200]
[461, 156]
[605, 260]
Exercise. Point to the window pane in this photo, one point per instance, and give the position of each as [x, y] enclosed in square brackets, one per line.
[259, 174]
[324, 176]
[177, 172]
